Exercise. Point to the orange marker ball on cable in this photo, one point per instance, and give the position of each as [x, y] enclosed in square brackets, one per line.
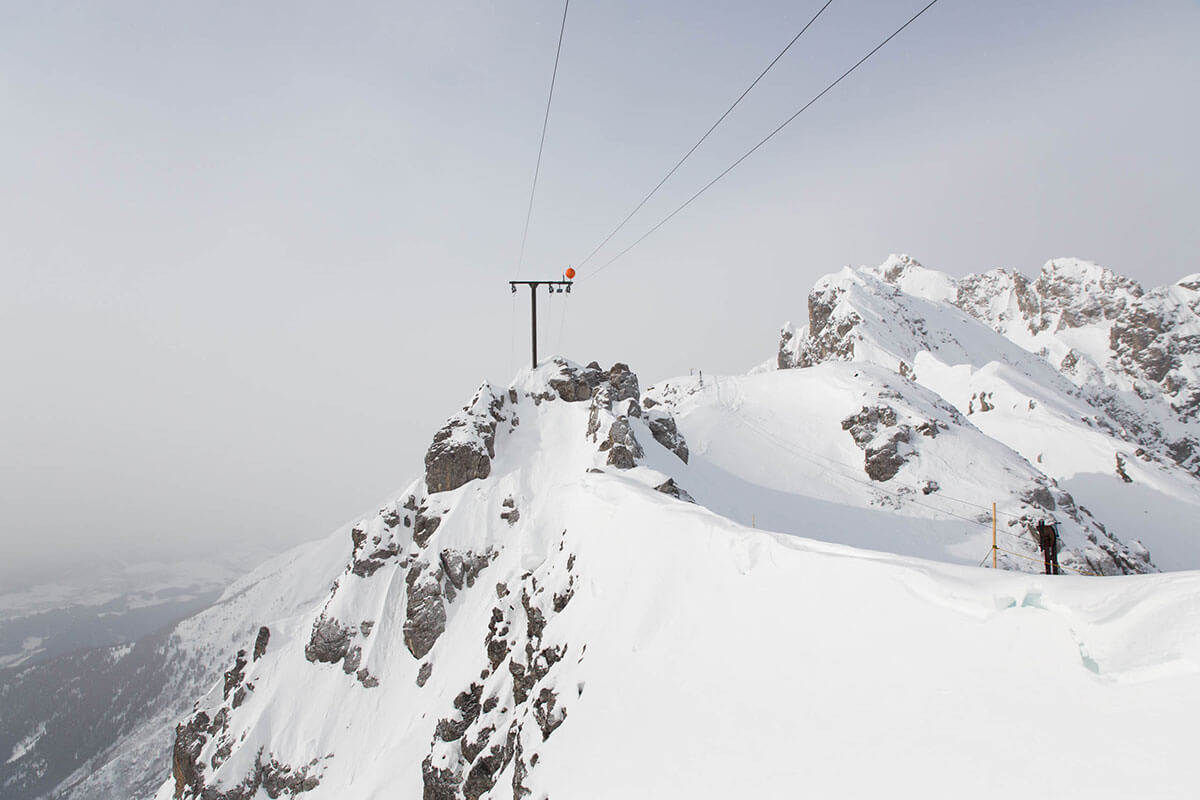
[570, 273]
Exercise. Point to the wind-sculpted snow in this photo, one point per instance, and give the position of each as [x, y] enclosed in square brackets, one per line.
[570, 600]
[857, 454]
[1090, 378]
[569, 627]
[414, 623]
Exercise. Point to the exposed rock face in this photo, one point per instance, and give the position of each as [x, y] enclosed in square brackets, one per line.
[885, 442]
[511, 514]
[670, 487]
[186, 766]
[501, 719]
[423, 673]
[463, 449]
[787, 356]
[270, 775]
[1067, 294]
[233, 678]
[1144, 384]
[623, 383]
[329, 641]
[601, 403]
[451, 463]
[204, 733]
[424, 527]
[976, 294]
[461, 568]
[1080, 294]
[1153, 338]
[1138, 342]
[828, 338]
[425, 619]
[663, 429]
[575, 385]
[260, 642]
[623, 447]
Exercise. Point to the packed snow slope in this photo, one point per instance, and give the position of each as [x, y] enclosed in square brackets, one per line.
[1091, 379]
[547, 613]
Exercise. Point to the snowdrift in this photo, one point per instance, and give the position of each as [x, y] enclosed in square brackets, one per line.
[572, 602]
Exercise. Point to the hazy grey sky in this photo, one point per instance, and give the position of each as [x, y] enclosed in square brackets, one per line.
[252, 254]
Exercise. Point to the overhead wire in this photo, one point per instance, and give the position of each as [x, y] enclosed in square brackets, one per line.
[796, 450]
[542, 142]
[768, 436]
[708, 132]
[974, 522]
[810, 455]
[562, 325]
[834, 462]
[762, 142]
[1038, 560]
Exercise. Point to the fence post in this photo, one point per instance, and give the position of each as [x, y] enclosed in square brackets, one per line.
[993, 536]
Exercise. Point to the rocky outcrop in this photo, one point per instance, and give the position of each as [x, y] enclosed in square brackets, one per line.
[204, 733]
[623, 383]
[269, 775]
[787, 355]
[665, 432]
[827, 337]
[1139, 345]
[462, 567]
[501, 719]
[674, 490]
[425, 525]
[186, 766]
[425, 615]
[233, 677]
[992, 295]
[329, 641]
[464, 447]
[576, 385]
[884, 441]
[511, 513]
[261, 641]
[1068, 293]
[1074, 293]
[622, 446]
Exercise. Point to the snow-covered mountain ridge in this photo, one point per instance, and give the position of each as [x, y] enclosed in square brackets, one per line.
[569, 603]
[571, 599]
[1090, 378]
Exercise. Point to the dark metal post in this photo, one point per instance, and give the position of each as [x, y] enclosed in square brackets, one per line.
[533, 316]
[559, 286]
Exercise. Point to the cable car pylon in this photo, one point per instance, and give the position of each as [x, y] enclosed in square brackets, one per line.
[564, 284]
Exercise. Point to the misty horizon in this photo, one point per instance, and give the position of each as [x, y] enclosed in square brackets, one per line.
[252, 258]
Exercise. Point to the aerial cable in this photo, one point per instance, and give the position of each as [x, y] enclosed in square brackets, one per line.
[783, 445]
[542, 142]
[765, 139]
[700, 141]
[809, 455]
